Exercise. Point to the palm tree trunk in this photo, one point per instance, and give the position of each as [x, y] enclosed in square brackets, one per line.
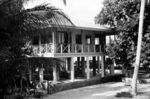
[138, 53]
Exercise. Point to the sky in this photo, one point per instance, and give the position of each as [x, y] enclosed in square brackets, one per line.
[82, 11]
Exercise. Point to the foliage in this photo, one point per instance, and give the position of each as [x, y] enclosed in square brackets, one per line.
[124, 95]
[123, 16]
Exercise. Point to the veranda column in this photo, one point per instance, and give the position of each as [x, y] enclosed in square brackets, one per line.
[83, 66]
[72, 69]
[87, 68]
[103, 65]
[41, 74]
[54, 73]
[53, 41]
[73, 40]
[66, 64]
[112, 68]
[94, 66]
[83, 40]
[98, 63]
[93, 42]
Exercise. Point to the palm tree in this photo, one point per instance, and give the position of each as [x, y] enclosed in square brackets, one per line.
[138, 53]
[16, 24]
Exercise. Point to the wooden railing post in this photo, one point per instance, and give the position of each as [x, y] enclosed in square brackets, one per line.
[100, 48]
[75, 48]
[82, 48]
[68, 48]
[61, 48]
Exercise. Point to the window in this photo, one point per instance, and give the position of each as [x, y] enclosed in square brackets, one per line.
[44, 39]
[63, 37]
[78, 39]
[96, 41]
[88, 39]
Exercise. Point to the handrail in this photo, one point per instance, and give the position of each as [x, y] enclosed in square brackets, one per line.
[43, 48]
[65, 48]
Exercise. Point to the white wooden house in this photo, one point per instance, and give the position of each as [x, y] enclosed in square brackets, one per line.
[73, 43]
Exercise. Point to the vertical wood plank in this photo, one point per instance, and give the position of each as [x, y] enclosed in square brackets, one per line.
[72, 69]
[87, 68]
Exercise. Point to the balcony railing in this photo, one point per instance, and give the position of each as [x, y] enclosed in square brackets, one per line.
[65, 48]
[42, 49]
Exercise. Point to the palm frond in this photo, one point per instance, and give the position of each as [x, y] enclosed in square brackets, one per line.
[51, 13]
[42, 16]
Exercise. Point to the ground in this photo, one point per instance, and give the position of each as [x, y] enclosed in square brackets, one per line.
[101, 91]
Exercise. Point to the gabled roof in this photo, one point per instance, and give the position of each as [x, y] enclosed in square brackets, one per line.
[76, 24]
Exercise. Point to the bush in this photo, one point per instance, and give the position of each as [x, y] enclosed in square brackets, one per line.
[124, 94]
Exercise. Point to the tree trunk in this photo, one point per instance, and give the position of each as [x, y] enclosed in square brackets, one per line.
[138, 53]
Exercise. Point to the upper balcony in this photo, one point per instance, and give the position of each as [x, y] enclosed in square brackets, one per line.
[49, 50]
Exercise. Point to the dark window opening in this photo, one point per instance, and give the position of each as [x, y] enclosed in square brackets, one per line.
[78, 39]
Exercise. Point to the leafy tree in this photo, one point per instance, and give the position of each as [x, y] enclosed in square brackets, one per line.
[122, 15]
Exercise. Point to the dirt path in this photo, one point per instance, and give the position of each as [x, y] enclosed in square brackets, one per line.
[101, 91]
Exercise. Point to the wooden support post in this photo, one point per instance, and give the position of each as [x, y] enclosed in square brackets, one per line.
[53, 42]
[83, 40]
[72, 69]
[61, 48]
[82, 48]
[41, 74]
[73, 42]
[99, 64]
[103, 65]
[66, 59]
[75, 48]
[87, 68]
[69, 48]
[94, 66]
[100, 48]
[93, 42]
[54, 73]
[69, 41]
[83, 66]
